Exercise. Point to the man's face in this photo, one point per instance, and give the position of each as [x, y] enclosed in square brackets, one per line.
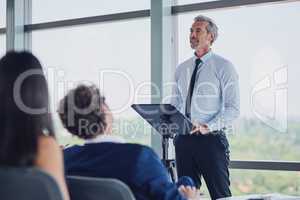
[199, 37]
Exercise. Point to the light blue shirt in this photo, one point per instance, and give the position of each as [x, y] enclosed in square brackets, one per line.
[215, 100]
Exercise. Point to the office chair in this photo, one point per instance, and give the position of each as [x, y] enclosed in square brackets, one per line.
[90, 188]
[27, 184]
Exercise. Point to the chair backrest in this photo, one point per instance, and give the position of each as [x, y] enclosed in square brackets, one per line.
[90, 188]
[27, 184]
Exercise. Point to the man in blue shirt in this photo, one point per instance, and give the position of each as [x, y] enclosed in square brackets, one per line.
[207, 92]
[85, 114]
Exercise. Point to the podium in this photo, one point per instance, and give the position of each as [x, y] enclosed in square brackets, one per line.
[169, 123]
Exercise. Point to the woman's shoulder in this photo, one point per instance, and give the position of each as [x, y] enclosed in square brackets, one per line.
[49, 153]
[47, 141]
[47, 144]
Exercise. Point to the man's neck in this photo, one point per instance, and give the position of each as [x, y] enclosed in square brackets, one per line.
[201, 52]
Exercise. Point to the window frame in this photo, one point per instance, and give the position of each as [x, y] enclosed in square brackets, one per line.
[175, 10]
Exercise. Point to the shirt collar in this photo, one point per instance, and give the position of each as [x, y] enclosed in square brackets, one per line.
[105, 138]
[205, 57]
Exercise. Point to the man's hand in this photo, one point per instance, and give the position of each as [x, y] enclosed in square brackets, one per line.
[200, 129]
[189, 192]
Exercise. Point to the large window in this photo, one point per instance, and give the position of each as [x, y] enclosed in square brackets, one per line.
[262, 182]
[2, 44]
[262, 42]
[2, 13]
[115, 56]
[43, 11]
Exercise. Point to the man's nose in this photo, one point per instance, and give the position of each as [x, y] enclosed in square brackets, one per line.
[192, 35]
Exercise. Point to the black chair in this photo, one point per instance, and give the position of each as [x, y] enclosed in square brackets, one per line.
[90, 188]
[27, 184]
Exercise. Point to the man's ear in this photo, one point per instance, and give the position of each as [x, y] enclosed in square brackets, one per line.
[211, 38]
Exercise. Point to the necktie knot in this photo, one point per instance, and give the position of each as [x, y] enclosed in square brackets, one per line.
[198, 61]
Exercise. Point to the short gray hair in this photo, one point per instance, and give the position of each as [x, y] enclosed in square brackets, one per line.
[211, 27]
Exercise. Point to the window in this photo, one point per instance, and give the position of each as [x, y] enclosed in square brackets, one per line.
[249, 182]
[115, 56]
[2, 44]
[183, 2]
[2, 13]
[44, 11]
[261, 182]
[264, 49]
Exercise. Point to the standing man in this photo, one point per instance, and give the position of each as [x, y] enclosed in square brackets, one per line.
[207, 92]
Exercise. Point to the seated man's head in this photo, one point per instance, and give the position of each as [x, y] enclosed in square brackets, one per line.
[84, 113]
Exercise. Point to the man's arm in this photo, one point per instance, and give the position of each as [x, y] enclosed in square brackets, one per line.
[230, 99]
[152, 177]
[176, 98]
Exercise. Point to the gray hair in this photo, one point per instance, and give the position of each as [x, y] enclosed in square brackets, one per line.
[211, 27]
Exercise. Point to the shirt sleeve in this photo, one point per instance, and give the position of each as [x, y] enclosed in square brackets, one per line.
[153, 177]
[230, 111]
[176, 98]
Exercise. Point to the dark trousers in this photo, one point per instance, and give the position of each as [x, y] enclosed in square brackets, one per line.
[207, 156]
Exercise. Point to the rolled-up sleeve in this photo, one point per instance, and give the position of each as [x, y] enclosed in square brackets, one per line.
[176, 98]
[229, 82]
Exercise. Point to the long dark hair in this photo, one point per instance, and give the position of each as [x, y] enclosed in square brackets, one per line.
[24, 106]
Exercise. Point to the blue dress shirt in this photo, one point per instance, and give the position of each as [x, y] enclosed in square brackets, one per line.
[136, 165]
[215, 100]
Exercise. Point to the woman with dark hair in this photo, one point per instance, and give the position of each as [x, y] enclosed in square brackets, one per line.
[26, 134]
[84, 113]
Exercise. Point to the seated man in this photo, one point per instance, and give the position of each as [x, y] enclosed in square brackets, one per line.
[85, 114]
